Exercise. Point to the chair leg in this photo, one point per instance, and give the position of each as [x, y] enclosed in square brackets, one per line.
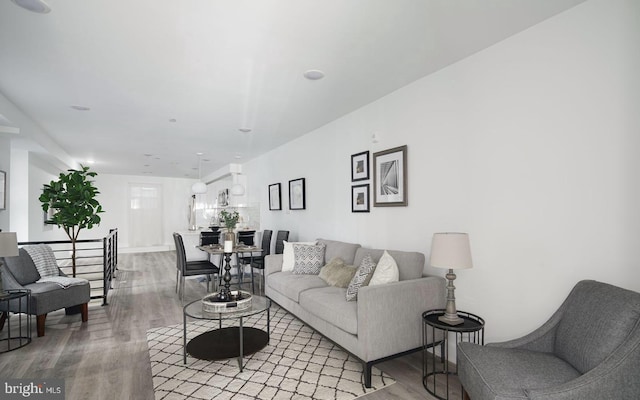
[84, 311]
[40, 319]
[465, 395]
[3, 318]
[177, 279]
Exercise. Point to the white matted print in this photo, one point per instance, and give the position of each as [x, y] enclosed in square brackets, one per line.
[390, 177]
[360, 198]
[274, 197]
[296, 194]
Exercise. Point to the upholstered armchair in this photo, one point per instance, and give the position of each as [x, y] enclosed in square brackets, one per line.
[588, 350]
[21, 273]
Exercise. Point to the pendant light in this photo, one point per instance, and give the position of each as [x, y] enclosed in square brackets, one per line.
[199, 187]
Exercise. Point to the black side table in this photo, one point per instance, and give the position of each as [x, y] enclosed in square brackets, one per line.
[19, 301]
[471, 330]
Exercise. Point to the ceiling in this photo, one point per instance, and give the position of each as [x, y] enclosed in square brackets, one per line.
[167, 79]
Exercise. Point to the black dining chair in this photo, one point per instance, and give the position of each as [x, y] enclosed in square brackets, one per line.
[191, 268]
[281, 236]
[207, 238]
[257, 261]
[246, 237]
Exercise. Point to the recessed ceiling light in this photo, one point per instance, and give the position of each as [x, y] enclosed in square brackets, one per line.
[80, 108]
[199, 154]
[237, 156]
[91, 162]
[244, 130]
[313, 74]
[36, 6]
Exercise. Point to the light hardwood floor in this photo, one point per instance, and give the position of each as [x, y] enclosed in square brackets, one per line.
[107, 357]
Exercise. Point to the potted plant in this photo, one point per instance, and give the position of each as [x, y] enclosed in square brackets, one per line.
[229, 219]
[73, 201]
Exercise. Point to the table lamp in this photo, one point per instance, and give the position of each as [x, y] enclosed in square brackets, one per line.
[8, 248]
[452, 251]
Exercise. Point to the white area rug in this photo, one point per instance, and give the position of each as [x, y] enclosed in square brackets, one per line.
[298, 363]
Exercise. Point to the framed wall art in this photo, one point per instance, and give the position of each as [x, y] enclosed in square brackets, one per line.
[360, 198]
[223, 198]
[360, 166]
[274, 197]
[3, 190]
[390, 177]
[296, 194]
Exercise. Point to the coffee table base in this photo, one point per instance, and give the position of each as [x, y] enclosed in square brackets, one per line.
[224, 343]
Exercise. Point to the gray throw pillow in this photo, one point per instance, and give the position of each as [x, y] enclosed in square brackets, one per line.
[361, 278]
[337, 273]
[308, 258]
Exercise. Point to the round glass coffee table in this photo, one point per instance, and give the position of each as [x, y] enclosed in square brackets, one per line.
[227, 342]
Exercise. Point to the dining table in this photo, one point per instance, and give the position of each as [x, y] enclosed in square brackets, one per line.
[240, 251]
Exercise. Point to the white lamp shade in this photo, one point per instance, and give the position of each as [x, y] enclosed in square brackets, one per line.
[199, 188]
[450, 250]
[8, 244]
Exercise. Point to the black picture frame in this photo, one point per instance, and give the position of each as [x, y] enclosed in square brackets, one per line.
[275, 198]
[360, 198]
[297, 195]
[3, 190]
[360, 166]
[390, 177]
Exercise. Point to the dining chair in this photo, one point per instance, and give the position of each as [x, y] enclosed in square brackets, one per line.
[281, 236]
[246, 237]
[190, 268]
[257, 261]
[207, 238]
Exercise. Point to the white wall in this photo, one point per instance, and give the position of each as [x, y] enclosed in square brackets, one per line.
[530, 146]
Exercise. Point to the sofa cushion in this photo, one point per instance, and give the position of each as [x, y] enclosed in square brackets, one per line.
[346, 251]
[288, 257]
[49, 296]
[291, 285]
[386, 271]
[410, 263]
[308, 258]
[587, 333]
[330, 304]
[22, 268]
[504, 373]
[337, 273]
[361, 278]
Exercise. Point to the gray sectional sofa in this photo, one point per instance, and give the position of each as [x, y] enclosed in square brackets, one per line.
[385, 321]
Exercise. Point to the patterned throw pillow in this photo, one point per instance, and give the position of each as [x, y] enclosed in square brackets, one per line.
[363, 274]
[288, 259]
[308, 258]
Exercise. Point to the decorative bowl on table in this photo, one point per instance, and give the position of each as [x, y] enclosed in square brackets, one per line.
[217, 303]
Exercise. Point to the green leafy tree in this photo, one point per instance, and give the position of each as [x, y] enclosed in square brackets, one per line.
[73, 201]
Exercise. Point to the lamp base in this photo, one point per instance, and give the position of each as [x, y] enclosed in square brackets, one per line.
[451, 319]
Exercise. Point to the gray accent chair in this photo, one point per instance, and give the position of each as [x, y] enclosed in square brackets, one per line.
[21, 273]
[588, 349]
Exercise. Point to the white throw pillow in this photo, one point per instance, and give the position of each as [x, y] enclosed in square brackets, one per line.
[288, 257]
[386, 271]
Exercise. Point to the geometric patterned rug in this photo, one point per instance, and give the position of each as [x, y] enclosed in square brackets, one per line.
[298, 363]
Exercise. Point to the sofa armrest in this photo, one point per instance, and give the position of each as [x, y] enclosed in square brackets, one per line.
[272, 264]
[390, 315]
[542, 339]
[615, 378]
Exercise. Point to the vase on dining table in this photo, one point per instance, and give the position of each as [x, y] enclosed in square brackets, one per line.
[230, 235]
